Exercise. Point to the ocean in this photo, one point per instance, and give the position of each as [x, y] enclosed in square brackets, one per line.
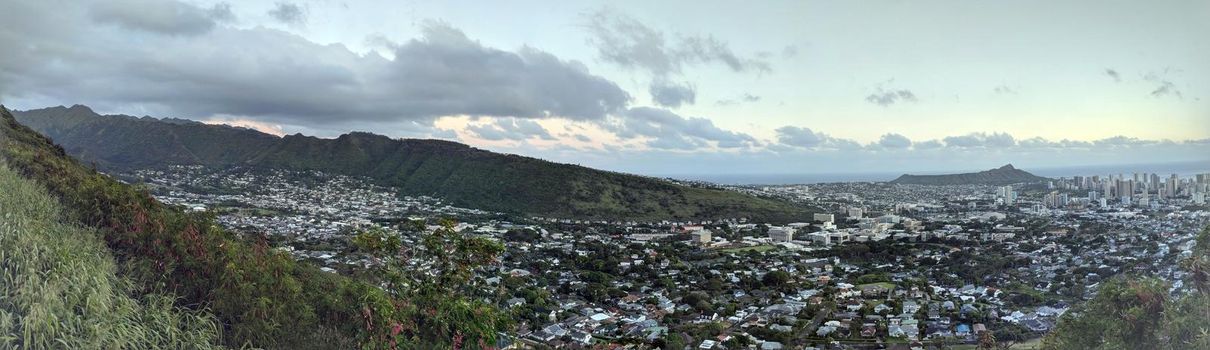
[1182, 169]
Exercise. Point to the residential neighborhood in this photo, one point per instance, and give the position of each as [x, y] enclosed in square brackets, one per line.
[880, 265]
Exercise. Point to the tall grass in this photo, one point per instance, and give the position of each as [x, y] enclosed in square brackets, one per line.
[59, 286]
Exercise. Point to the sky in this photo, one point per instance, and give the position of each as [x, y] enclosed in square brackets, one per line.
[651, 87]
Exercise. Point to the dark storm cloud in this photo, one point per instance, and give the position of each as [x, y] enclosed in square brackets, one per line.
[667, 130]
[672, 95]
[511, 129]
[164, 17]
[274, 76]
[289, 13]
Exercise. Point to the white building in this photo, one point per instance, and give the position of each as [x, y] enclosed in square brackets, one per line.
[781, 234]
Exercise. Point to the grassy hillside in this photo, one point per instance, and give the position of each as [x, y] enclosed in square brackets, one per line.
[463, 175]
[59, 285]
[259, 296]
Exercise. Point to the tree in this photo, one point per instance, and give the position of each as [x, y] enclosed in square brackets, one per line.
[431, 284]
[739, 341]
[673, 341]
[775, 279]
[1136, 313]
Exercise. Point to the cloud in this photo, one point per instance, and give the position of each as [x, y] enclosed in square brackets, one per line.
[663, 129]
[743, 98]
[887, 98]
[272, 129]
[930, 144]
[626, 42]
[1121, 141]
[1113, 74]
[802, 137]
[1163, 87]
[289, 13]
[273, 76]
[981, 140]
[1038, 142]
[790, 51]
[511, 129]
[1003, 89]
[893, 140]
[672, 95]
[163, 17]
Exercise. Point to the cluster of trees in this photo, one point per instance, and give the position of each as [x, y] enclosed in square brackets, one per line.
[1139, 312]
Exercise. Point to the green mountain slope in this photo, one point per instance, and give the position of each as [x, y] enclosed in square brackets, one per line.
[260, 296]
[463, 175]
[1000, 176]
[61, 287]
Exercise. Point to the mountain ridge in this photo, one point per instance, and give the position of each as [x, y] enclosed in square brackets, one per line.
[463, 175]
[1003, 175]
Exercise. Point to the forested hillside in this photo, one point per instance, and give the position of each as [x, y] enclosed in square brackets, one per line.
[463, 175]
[259, 296]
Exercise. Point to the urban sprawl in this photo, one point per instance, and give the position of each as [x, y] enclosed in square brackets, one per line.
[880, 265]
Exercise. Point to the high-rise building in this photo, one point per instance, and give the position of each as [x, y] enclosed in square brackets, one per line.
[1052, 200]
[1007, 194]
[1125, 189]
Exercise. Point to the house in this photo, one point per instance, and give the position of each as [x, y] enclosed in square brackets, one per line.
[1035, 325]
[962, 330]
[868, 330]
[581, 337]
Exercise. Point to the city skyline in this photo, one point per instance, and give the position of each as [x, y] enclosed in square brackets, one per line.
[802, 87]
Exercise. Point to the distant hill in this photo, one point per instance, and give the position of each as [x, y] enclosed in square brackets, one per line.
[463, 175]
[999, 176]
